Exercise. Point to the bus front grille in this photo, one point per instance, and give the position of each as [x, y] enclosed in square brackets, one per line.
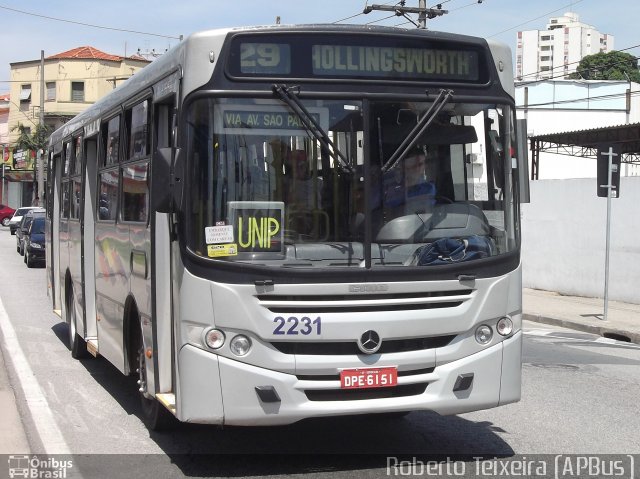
[329, 348]
[361, 303]
[370, 393]
[336, 377]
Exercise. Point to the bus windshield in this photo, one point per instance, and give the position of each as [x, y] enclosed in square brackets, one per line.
[421, 187]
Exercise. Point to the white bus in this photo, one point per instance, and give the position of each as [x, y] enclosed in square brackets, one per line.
[271, 224]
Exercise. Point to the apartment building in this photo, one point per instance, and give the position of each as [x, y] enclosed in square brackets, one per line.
[556, 51]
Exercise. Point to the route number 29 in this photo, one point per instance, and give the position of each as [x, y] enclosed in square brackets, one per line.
[294, 326]
[259, 55]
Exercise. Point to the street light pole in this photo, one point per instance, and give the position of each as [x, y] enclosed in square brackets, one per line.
[610, 188]
[4, 185]
[40, 158]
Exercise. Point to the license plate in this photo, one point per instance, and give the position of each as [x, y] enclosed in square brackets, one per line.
[368, 378]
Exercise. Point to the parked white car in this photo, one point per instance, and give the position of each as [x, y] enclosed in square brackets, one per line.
[17, 217]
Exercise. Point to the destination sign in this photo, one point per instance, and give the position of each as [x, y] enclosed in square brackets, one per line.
[342, 60]
[355, 57]
[263, 119]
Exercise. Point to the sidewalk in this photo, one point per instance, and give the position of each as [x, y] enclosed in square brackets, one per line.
[582, 314]
[13, 439]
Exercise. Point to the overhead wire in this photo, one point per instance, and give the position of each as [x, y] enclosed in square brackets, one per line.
[106, 77]
[381, 19]
[103, 27]
[610, 96]
[439, 4]
[562, 75]
[361, 13]
[534, 19]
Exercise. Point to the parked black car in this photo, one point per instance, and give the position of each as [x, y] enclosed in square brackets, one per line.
[23, 228]
[34, 242]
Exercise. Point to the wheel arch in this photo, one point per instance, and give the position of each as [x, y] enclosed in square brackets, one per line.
[131, 330]
[68, 292]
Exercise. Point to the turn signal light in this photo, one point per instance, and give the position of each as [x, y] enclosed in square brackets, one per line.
[214, 338]
[504, 326]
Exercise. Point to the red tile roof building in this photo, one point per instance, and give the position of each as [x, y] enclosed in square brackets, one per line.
[74, 79]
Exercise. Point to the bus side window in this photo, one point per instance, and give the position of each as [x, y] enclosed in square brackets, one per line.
[66, 185]
[135, 193]
[108, 200]
[138, 134]
[111, 142]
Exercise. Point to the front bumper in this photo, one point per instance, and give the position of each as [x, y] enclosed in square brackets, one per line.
[218, 390]
[37, 254]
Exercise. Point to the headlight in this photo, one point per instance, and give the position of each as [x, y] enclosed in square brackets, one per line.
[240, 345]
[36, 246]
[484, 334]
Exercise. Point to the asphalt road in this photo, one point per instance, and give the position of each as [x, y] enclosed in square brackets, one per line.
[580, 396]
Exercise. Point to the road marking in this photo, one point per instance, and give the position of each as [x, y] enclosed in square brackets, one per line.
[578, 337]
[50, 435]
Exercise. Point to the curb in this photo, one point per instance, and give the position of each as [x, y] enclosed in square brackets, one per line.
[605, 331]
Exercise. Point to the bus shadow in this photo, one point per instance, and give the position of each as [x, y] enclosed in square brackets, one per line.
[366, 444]
[319, 445]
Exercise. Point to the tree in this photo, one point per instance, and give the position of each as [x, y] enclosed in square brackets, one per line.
[608, 66]
[35, 141]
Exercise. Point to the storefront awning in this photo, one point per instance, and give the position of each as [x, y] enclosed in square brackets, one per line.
[19, 175]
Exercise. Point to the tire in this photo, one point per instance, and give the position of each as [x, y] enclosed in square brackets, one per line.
[76, 344]
[154, 415]
[26, 259]
[5, 221]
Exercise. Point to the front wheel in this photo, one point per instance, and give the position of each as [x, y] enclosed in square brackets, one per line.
[5, 221]
[76, 344]
[154, 415]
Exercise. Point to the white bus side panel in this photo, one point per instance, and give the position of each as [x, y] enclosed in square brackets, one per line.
[89, 239]
[112, 288]
[55, 225]
[163, 300]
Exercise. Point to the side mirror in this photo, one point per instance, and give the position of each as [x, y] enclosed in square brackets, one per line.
[523, 161]
[161, 181]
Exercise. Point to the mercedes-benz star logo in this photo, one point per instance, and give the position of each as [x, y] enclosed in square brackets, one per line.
[369, 342]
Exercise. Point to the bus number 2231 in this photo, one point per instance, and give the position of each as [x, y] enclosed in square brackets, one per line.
[293, 326]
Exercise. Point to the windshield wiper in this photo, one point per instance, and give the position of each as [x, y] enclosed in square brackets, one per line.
[311, 125]
[415, 134]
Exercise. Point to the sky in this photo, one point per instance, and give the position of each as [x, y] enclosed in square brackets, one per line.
[157, 25]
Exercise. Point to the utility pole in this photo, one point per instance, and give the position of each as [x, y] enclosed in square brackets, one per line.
[40, 152]
[422, 16]
[401, 11]
[4, 185]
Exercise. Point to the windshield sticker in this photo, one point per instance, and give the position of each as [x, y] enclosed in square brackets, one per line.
[221, 250]
[219, 234]
[258, 227]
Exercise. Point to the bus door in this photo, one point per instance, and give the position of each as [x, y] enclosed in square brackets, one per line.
[88, 220]
[53, 237]
[71, 257]
[166, 93]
